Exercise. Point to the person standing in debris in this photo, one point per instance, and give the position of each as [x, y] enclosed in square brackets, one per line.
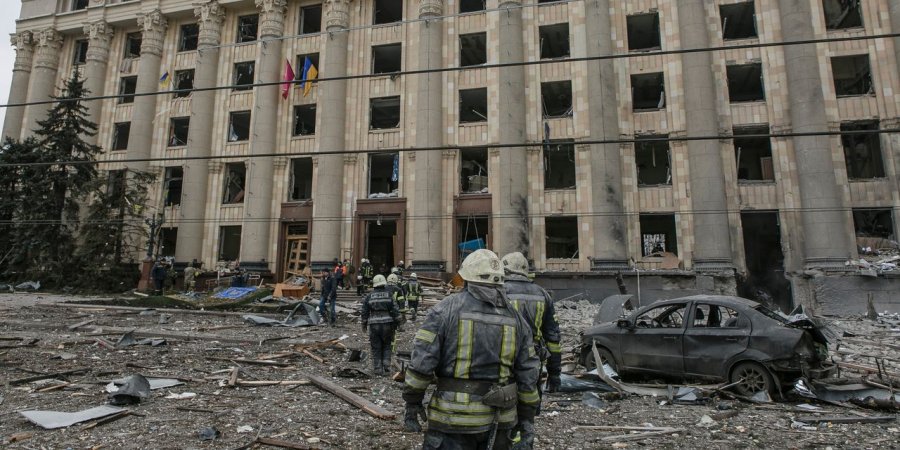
[348, 273]
[481, 351]
[329, 297]
[536, 306]
[190, 276]
[338, 274]
[365, 276]
[380, 317]
[396, 290]
[158, 275]
[413, 293]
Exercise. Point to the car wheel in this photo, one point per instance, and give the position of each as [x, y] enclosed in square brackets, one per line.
[605, 357]
[755, 379]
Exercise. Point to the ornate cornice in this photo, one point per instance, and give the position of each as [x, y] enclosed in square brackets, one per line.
[271, 17]
[153, 29]
[430, 8]
[337, 14]
[24, 43]
[210, 16]
[47, 43]
[100, 34]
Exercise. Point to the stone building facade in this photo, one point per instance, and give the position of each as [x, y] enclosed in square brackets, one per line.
[589, 165]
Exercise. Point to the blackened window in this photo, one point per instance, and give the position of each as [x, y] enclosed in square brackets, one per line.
[658, 234]
[304, 120]
[842, 14]
[80, 54]
[862, 150]
[190, 35]
[561, 237]
[248, 27]
[127, 87]
[466, 6]
[388, 11]
[745, 83]
[648, 92]
[178, 131]
[79, 4]
[473, 105]
[753, 154]
[301, 60]
[738, 21]
[172, 179]
[239, 126]
[243, 75]
[556, 99]
[384, 113]
[301, 179]
[133, 45]
[233, 185]
[651, 156]
[643, 32]
[121, 131]
[473, 170]
[386, 58]
[554, 41]
[852, 75]
[472, 49]
[184, 81]
[229, 243]
[559, 165]
[310, 19]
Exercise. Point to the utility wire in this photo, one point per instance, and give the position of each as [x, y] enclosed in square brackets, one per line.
[640, 139]
[463, 68]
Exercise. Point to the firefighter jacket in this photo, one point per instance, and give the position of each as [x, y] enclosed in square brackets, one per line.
[397, 294]
[413, 291]
[473, 337]
[536, 307]
[366, 270]
[379, 307]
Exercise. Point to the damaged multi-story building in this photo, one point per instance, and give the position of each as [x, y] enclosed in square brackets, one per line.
[755, 168]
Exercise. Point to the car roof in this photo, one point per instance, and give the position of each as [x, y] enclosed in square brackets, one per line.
[726, 300]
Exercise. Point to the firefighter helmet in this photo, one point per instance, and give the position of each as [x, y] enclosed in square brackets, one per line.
[378, 281]
[482, 266]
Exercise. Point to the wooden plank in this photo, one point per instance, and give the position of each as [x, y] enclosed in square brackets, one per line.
[868, 369]
[640, 436]
[283, 444]
[257, 362]
[47, 376]
[139, 333]
[354, 399]
[844, 419]
[81, 324]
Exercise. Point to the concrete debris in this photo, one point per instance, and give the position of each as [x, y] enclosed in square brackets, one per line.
[51, 420]
[706, 422]
[181, 396]
[209, 434]
[244, 429]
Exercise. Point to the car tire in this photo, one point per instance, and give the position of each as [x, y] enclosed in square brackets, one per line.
[605, 356]
[756, 378]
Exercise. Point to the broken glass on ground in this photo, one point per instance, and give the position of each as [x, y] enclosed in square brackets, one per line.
[568, 383]
[51, 420]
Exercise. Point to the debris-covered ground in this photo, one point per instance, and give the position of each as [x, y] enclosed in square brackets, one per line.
[245, 383]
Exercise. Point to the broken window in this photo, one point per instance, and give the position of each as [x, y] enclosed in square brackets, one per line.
[842, 14]
[190, 35]
[178, 131]
[243, 75]
[248, 27]
[233, 187]
[559, 165]
[467, 6]
[115, 184]
[852, 75]
[121, 131]
[172, 179]
[651, 156]
[184, 81]
[229, 243]
[301, 61]
[239, 126]
[386, 58]
[79, 4]
[388, 11]
[715, 316]
[556, 99]
[301, 179]
[384, 175]
[658, 234]
[561, 237]
[127, 87]
[745, 83]
[473, 174]
[472, 49]
[133, 45]
[738, 21]
[862, 150]
[753, 154]
[79, 56]
[304, 120]
[168, 238]
[648, 92]
[873, 223]
[473, 105]
[643, 32]
[384, 113]
[554, 40]
[310, 19]
[668, 316]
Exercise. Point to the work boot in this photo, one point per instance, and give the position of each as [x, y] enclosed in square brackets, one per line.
[386, 365]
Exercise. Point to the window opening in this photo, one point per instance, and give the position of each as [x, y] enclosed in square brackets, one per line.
[386, 58]
[643, 32]
[852, 75]
[248, 28]
[178, 131]
[184, 80]
[304, 120]
[311, 19]
[648, 92]
[562, 237]
[473, 105]
[388, 11]
[842, 14]
[714, 316]
[80, 55]
[472, 49]
[738, 21]
[239, 126]
[658, 235]
[127, 87]
[554, 40]
[874, 231]
[79, 4]
[384, 175]
[121, 131]
[862, 151]
[559, 165]
[753, 154]
[652, 160]
[133, 45]
[745, 83]
[235, 177]
[190, 36]
[229, 243]
[473, 170]
[243, 75]
[301, 179]
[301, 60]
[467, 6]
[668, 316]
[168, 239]
[556, 99]
[172, 180]
[384, 113]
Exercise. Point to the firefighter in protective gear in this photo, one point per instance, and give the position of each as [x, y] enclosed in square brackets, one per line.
[476, 345]
[380, 317]
[413, 294]
[536, 306]
[396, 290]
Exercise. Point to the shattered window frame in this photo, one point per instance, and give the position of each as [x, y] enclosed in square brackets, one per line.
[471, 6]
[734, 11]
[248, 28]
[387, 59]
[473, 49]
[238, 126]
[79, 53]
[304, 120]
[861, 83]
[244, 76]
[127, 89]
[651, 227]
[562, 90]
[234, 183]
[755, 170]
[179, 127]
[133, 45]
[184, 80]
[381, 107]
[554, 48]
[664, 317]
[866, 146]
[190, 37]
[301, 176]
[637, 41]
[120, 142]
[643, 100]
[473, 171]
[229, 251]
[876, 223]
[392, 184]
[561, 237]
[656, 144]
[173, 178]
[308, 22]
[301, 60]
[383, 12]
[724, 317]
[560, 164]
[742, 79]
[476, 100]
[846, 18]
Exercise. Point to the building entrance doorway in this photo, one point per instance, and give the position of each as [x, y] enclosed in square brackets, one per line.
[380, 244]
[296, 250]
[765, 281]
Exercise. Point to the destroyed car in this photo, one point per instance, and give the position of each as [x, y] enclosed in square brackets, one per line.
[708, 337]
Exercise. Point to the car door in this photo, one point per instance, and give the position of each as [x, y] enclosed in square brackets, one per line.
[715, 334]
[653, 344]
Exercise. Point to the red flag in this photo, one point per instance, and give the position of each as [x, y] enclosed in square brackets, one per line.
[288, 79]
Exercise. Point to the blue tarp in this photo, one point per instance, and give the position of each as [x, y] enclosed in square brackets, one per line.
[234, 292]
[471, 246]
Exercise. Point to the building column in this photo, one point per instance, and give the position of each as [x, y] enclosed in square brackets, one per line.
[143, 117]
[510, 193]
[195, 178]
[264, 127]
[325, 242]
[24, 43]
[894, 8]
[100, 34]
[610, 250]
[43, 77]
[428, 239]
[826, 243]
[712, 238]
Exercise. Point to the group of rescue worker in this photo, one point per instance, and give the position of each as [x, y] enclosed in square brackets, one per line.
[484, 348]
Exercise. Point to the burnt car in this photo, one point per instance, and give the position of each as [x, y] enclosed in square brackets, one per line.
[714, 338]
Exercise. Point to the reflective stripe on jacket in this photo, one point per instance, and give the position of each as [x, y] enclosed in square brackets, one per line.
[378, 307]
[413, 291]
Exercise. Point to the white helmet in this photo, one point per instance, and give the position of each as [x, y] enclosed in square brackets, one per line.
[412, 275]
[516, 263]
[395, 270]
[378, 281]
[482, 266]
[393, 278]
